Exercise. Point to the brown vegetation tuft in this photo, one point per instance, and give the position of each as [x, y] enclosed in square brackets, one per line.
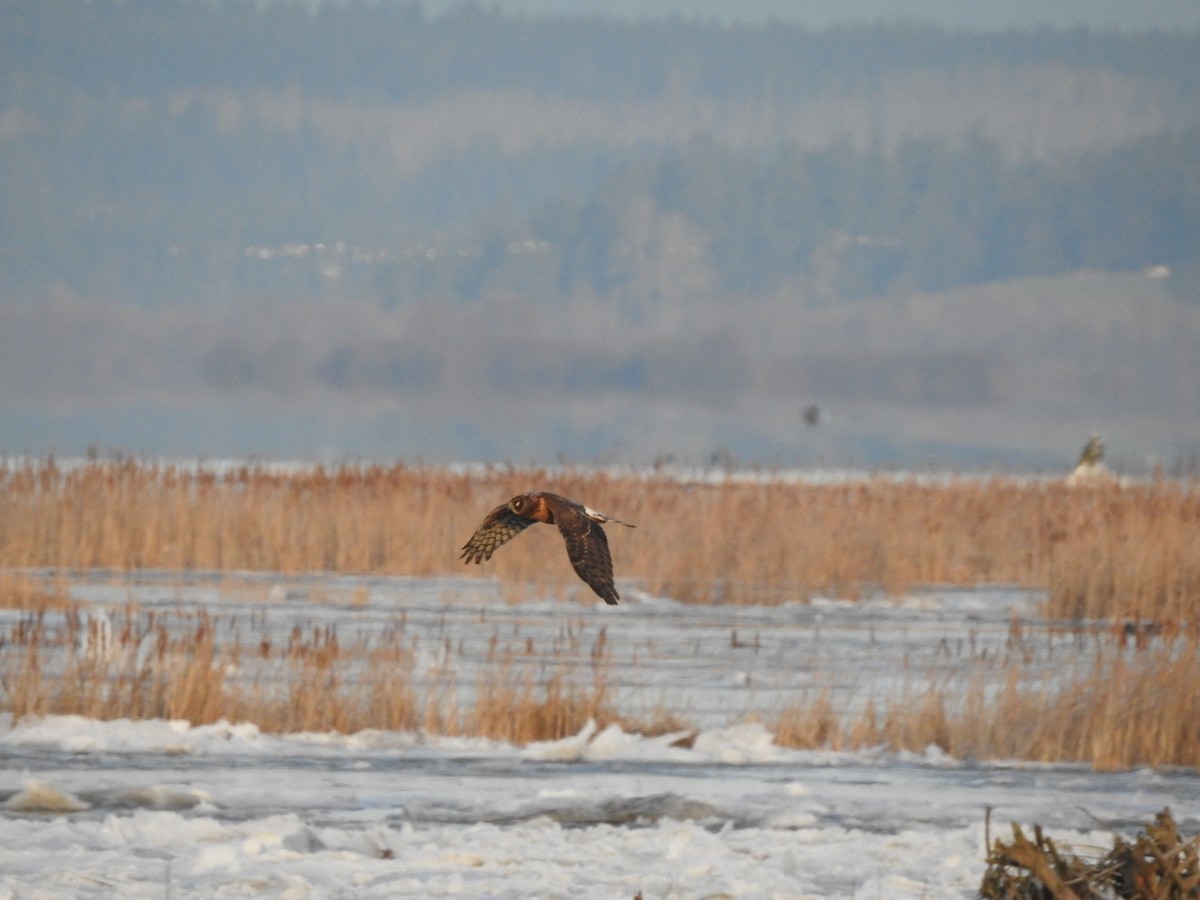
[19, 590]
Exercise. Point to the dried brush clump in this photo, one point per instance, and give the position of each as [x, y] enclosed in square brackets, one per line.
[541, 704]
[1159, 865]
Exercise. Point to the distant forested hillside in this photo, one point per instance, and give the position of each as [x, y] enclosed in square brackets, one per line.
[161, 152]
[393, 51]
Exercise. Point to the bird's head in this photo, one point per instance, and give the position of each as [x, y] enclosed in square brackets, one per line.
[531, 505]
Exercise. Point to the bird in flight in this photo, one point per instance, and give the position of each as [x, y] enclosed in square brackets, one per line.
[587, 545]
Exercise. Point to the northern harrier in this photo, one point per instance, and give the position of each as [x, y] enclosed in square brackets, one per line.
[1093, 452]
[1090, 469]
[587, 547]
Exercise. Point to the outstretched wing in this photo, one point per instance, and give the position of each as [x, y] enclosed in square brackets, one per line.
[500, 526]
[587, 548]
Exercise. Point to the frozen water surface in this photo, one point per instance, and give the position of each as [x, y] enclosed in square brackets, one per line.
[166, 809]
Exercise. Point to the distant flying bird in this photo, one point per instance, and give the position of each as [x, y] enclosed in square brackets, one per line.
[587, 546]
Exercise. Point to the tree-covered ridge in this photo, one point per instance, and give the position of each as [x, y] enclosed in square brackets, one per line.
[395, 50]
[929, 216]
[155, 152]
[164, 222]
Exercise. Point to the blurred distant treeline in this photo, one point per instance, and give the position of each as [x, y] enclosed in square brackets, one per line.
[162, 152]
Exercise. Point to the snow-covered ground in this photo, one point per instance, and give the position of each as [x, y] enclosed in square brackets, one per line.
[161, 809]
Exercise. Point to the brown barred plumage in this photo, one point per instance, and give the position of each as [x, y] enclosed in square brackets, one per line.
[587, 545]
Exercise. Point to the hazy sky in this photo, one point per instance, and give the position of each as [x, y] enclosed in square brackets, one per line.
[986, 15]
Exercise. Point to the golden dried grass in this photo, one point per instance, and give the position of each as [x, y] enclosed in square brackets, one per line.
[133, 664]
[1127, 554]
[20, 590]
[525, 708]
[1129, 708]
[1132, 553]
[1104, 551]
[199, 667]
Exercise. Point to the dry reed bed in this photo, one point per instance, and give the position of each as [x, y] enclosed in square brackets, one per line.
[1128, 708]
[1101, 552]
[202, 667]
[1120, 553]
[1123, 706]
[19, 590]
